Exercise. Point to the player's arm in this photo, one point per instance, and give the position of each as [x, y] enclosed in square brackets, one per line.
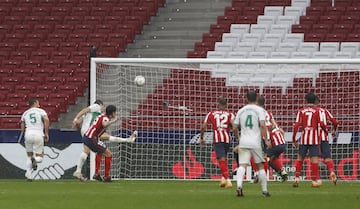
[202, 133]
[334, 122]
[77, 120]
[296, 129]
[264, 134]
[46, 127]
[106, 122]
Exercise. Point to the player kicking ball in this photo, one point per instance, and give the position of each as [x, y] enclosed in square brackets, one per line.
[93, 141]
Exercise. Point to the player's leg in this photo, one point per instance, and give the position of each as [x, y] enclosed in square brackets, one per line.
[244, 158]
[108, 159]
[97, 176]
[117, 139]
[221, 152]
[275, 162]
[314, 154]
[326, 155]
[236, 158]
[298, 164]
[259, 160]
[30, 160]
[82, 158]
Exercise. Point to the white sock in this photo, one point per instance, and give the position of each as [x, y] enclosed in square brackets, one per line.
[263, 180]
[240, 176]
[81, 161]
[28, 164]
[118, 139]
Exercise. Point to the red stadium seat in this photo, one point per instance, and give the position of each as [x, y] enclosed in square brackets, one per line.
[32, 64]
[59, 55]
[10, 123]
[93, 20]
[60, 11]
[34, 80]
[73, 20]
[87, 3]
[80, 10]
[19, 55]
[143, 12]
[57, 37]
[65, 29]
[136, 21]
[42, 73]
[40, 11]
[83, 29]
[310, 20]
[66, 3]
[233, 11]
[151, 4]
[14, 37]
[28, 46]
[240, 3]
[121, 11]
[342, 28]
[104, 28]
[246, 19]
[321, 28]
[20, 11]
[300, 28]
[113, 20]
[68, 46]
[321, 3]
[49, 46]
[99, 11]
[22, 28]
[77, 37]
[335, 37]
[53, 20]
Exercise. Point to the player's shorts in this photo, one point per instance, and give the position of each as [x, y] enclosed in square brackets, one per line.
[246, 153]
[314, 150]
[95, 145]
[276, 150]
[325, 149]
[34, 142]
[221, 149]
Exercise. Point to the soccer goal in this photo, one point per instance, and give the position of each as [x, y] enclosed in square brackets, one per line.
[170, 107]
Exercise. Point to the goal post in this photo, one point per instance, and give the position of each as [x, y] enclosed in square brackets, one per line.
[178, 93]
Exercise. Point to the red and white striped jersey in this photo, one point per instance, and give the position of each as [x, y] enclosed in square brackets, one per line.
[268, 118]
[308, 118]
[221, 123]
[326, 116]
[276, 137]
[97, 128]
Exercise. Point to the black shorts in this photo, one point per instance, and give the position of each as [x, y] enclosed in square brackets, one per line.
[95, 145]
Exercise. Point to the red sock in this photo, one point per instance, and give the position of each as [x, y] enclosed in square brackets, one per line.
[253, 165]
[278, 163]
[107, 166]
[330, 165]
[97, 163]
[314, 171]
[224, 168]
[298, 165]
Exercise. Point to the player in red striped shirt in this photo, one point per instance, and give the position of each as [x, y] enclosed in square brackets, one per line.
[308, 118]
[278, 146]
[221, 121]
[326, 116]
[276, 135]
[92, 140]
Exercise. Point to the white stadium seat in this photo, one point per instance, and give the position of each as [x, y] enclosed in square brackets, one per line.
[294, 37]
[279, 29]
[350, 46]
[279, 55]
[308, 47]
[257, 28]
[273, 38]
[237, 55]
[266, 46]
[231, 37]
[215, 54]
[273, 10]
[287, 20]
[287, 47]
[252, 37]
[245, 46]
[300, 3]
[301, 55]
[294, 11]
[329, 46]
[224, 46]
[343, 55]
[240, 28]
[266, 20]
[322, 55]
[258, 55]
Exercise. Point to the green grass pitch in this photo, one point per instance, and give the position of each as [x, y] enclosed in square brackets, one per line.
[171, 194]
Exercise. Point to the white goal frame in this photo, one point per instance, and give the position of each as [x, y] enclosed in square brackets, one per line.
[211, 65]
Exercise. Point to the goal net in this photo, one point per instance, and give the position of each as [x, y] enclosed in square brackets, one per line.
[169, 109]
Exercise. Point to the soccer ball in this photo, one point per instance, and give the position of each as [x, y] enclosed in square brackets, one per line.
[139, 80]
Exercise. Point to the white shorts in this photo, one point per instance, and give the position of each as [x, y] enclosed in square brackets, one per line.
[246, 153]
[34, 142]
